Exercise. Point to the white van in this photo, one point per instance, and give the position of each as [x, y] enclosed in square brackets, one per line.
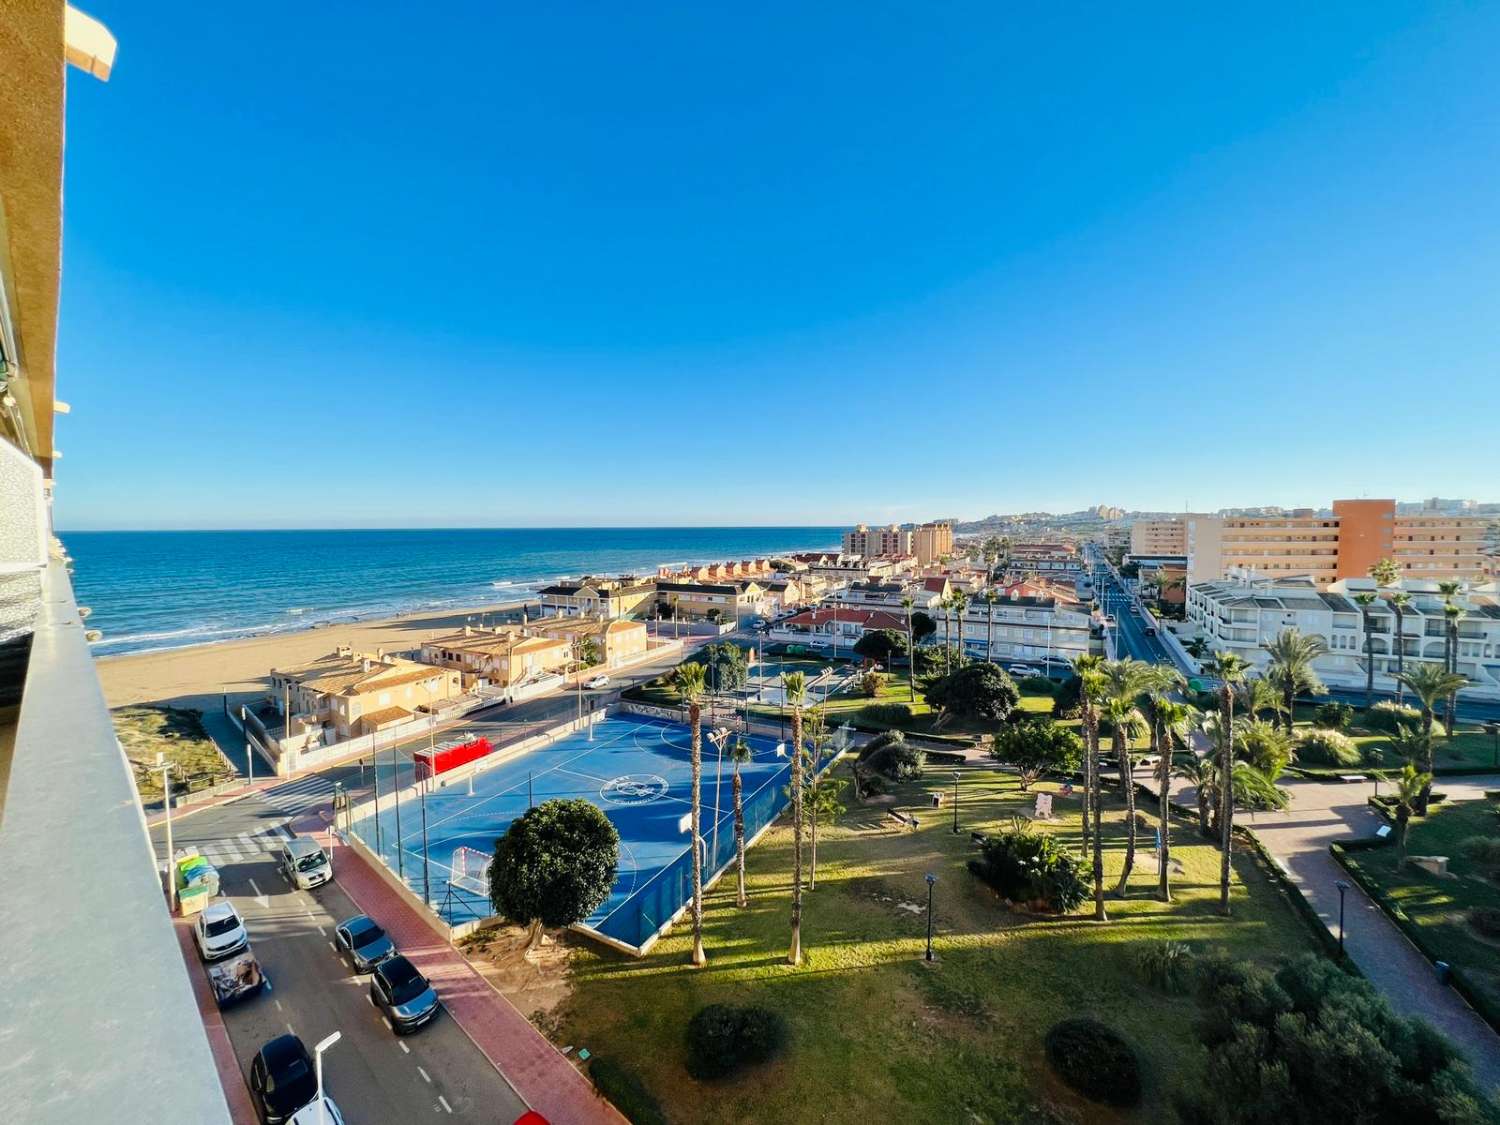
[304, 863]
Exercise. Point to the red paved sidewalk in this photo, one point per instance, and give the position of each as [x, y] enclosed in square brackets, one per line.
[544, 1077]
[241, 1109]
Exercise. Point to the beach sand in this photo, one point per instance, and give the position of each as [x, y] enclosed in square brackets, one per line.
[200, 676]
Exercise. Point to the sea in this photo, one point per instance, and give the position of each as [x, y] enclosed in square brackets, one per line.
[171, 589]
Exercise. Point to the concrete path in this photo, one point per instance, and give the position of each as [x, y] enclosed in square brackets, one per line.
[1322, 812]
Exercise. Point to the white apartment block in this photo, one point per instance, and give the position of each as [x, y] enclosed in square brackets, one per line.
[881, 542]
[1025, 630]
[1243, 616]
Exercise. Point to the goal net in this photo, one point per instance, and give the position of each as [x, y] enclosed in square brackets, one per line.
[471, 871]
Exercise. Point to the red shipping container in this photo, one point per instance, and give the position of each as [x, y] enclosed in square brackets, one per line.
[440, 759]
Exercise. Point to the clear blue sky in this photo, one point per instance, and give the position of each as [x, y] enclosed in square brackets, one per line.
[388, 264]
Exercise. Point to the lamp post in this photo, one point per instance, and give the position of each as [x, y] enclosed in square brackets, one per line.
[955, 802]
[322, 1046]
[1493, 730]
[931, 880]
[1342, 886]
[166, 800]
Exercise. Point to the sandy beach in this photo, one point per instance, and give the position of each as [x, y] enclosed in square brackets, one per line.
[200, 675]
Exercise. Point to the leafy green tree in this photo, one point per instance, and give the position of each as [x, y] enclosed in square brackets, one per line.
[1037, 746]
[881, 646]
[690, 685]
[1292, 656]
[553, 867]
[794, 687]
[725, 666]
[980, 692]
[588, 653]
[922, 626]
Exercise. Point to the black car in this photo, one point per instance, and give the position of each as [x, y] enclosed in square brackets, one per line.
[364, 942]
[402, 994]
[282, 1079]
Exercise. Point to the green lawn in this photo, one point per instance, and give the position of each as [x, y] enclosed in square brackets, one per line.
[1439, 906]
[877, 1035]
[1469, 748]
[178, 734]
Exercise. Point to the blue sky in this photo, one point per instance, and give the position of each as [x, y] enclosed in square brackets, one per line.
[391, 264]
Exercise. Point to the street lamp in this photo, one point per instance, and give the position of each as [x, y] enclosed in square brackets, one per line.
[1342, 886]
[931, 880]
[318, 1064]
[1493, 730]
[955, 801]
[166, 768]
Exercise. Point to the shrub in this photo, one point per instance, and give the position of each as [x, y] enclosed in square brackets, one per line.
[1065, 700]
[1033, 869]
[722, 1039]
[1265, 747]
[1373, 756]
[624, 1088]
[1327, 748]
[890, 755]
[871, 683]
[886, 714]
[1166, 964]
[1483, 850]
[1334, 716]
[1486, 919]
[1037, 685]
[976, 691]
[1387, 718]
[1094, 1060]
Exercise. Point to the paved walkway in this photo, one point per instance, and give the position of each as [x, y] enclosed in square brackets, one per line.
[1323, 812]
[544, 1078]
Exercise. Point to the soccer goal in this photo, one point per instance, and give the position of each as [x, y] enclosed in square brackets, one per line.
[471, 871]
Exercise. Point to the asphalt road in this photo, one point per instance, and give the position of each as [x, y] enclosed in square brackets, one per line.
[373, 1075]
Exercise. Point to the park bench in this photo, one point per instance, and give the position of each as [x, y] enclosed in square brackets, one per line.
[903, 818]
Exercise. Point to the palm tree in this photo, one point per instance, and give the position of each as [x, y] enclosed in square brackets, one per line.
[945, 605]
[1410, 787]
[990, 598]
[1127, 681]
[739, 754]
[1411, 744]
[1385, 572]
[794, 688]
[911, 649]
[1230, 668]
[1451, 615]
[1429, 682]
[1292, 655]
[1259, 694]
[824, 803]
[960, 607]
[1364, 599]
[1169, 725]
[1091, 688]
[1399, 601]
[1203, 773]
[690, 682]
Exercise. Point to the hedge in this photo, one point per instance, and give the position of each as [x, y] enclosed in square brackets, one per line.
[1488, 1010]
[1386, 805]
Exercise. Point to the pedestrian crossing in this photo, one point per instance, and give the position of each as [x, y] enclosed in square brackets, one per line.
[300, 796]
[244, 847]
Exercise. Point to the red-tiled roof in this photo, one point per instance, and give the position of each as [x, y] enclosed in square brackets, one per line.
[865, 618]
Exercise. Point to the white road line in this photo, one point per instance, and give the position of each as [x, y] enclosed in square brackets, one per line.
[278, 1006]
[259, 893]
[324, 932]
[405, 1050]
[442, 1101]
[425, 1077]
[387, 1023]
[290, 1030]
[330, 944]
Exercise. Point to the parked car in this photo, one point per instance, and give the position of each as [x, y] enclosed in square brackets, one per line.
[236, 978]
[402, 994]
[1023, 670]
[364, 942]
[1150, 630]
[304, 863]
[597, 682]
[220, 932]
[282, 1079]
[1135, 611]
[310, 1113]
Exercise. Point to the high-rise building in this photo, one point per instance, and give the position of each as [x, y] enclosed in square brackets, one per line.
[932, 541]
[880, 543]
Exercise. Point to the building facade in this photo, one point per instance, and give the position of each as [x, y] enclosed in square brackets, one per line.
[502, 658]
[881, 542]
[347, 694]
[932, 542]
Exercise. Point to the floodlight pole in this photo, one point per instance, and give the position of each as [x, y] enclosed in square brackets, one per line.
[426, 875]
[1342, 886]
[396, 791]
[166, 800]
[955, 801]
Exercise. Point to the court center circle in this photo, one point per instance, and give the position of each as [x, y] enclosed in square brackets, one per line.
[634, 789]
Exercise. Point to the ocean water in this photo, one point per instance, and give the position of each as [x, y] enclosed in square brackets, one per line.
[169, 589]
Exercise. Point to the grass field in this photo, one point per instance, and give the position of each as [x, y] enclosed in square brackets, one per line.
[176, 733]
[1439, 906]
[879, 1036]
[1469, 748]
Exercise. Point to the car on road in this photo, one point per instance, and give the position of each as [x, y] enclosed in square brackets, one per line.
[1023, 670]
[363, 941]
[303, 863]
[1150, 630]
[597, 682]
[282, 1079]
[314, 1114]
[1135, 611]
[1110, 621]
[220, 932]
[402, 994]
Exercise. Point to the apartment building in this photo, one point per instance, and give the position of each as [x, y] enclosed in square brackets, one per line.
[626, 596]
[347, 694]
[1038, 624]
[1243, 616]
[1163, 538]
[875, 594]
[1046, 558]
[617, 642]
[834, 627]
[502, 658]
[723, 602]
[882, 542]
[932, 542]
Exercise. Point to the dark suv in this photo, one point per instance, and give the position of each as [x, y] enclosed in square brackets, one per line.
[282, 1079]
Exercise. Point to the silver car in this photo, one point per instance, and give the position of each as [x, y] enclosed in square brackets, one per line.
[402, 994]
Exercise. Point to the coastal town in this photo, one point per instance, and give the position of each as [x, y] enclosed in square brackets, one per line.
[517, 637]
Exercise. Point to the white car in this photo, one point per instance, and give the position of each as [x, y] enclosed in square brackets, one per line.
[309, 1114]
[597, 682]
[1023, 670]
[220, 932]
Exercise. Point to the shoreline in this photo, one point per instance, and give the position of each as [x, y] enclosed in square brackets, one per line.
[198, 676]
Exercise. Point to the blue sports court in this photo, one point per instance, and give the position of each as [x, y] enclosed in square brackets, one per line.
[637, 770]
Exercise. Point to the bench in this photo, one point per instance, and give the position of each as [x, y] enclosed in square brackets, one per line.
[1353, 777]
[902, 818]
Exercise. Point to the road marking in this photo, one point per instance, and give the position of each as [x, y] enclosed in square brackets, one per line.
[442, 1101]
[290, 1030]
[425, 1077]
[387, 1023]
[324, 932]
[330, 944]
[278, 1006]
[404, 1048]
